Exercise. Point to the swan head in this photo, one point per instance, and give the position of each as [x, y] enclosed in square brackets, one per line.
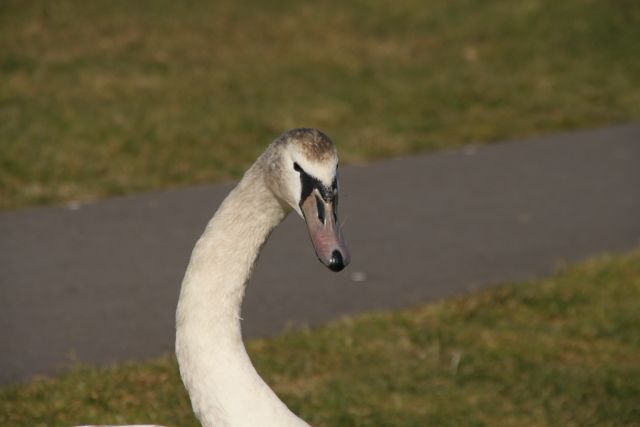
[304, 175]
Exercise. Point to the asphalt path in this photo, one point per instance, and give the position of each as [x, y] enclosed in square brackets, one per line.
[99, 282]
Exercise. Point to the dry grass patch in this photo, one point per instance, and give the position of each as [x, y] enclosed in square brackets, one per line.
[106, 98]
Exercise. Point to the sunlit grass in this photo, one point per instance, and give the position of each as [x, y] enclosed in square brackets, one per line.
[561, 351]
[109, 97]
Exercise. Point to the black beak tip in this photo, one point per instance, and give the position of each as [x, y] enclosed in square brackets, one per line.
[336, 263]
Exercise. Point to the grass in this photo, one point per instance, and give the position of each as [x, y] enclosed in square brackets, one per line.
[110, 97]
[562, 351]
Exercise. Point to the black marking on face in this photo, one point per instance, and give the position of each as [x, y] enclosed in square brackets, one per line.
[309, 183]
[320, 209]
[335, 209]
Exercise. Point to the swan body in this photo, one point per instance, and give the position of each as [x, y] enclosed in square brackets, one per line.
[298, 171]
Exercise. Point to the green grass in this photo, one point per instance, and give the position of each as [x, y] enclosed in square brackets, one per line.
[562, 351]
[110, 97]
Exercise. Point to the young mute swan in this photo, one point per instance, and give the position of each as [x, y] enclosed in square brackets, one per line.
[298, 171]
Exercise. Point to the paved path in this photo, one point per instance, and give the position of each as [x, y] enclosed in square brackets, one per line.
[99, 282]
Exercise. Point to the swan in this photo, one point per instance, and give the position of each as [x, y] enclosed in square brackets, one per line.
[298, 171]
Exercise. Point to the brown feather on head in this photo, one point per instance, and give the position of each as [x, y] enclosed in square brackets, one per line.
[315, 144]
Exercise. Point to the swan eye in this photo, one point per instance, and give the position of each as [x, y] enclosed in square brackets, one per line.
[296, 167]
[320, 208]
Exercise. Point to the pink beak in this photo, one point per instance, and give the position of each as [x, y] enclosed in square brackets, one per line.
[324, 230]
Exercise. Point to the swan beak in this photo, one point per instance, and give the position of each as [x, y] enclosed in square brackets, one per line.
[321, 217]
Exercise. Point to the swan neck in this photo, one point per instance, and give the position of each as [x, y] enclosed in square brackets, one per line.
[222, 383]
